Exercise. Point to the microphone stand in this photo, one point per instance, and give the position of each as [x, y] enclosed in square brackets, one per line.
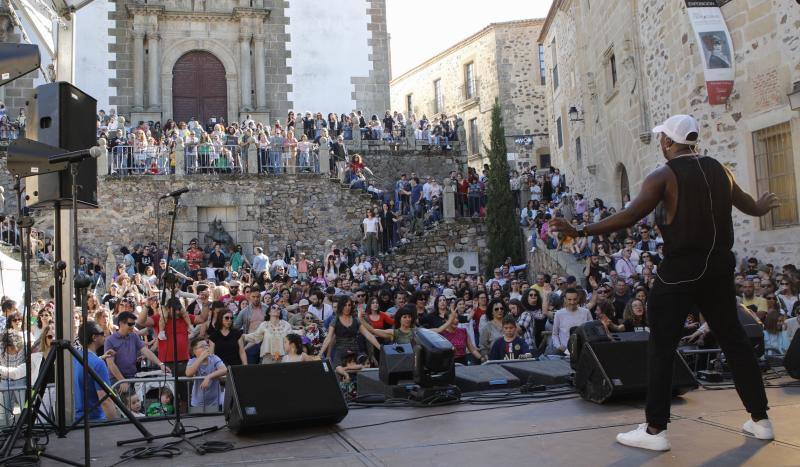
[168, 280]
[35, 394]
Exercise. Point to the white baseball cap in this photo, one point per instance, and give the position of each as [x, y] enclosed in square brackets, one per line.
[678, 127]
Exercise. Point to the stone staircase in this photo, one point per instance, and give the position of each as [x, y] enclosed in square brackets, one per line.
[549, 261]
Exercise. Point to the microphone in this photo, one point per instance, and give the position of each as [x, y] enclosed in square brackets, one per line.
[175, 193]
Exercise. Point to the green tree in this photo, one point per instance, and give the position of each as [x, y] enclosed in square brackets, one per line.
[504, 234]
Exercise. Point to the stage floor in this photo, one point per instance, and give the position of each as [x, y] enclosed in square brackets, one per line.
[706, 431]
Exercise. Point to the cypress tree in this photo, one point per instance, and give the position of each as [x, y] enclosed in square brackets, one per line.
[504, 234]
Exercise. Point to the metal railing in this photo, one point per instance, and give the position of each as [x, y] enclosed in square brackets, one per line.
[8, 133]
[148, 389]
[215, 159]
[273, 161]
[130, 160]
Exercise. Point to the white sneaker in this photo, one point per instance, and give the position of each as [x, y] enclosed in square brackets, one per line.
[761, 429]
[640, 438]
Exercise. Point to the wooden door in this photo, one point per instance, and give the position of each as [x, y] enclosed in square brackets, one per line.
[199, 88]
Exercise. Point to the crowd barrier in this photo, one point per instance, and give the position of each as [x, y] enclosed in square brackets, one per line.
[129, 160]
[208, 159]
[147, 388]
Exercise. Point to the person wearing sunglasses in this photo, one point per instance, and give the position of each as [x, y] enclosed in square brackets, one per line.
[127, 346]
[787, 296]
[228, 344]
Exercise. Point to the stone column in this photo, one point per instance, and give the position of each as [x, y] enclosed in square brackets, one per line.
[252, 157]
[245, 73]
[138, 70]
[324, 161]
[180, 158]
[261, 80]
[102, 161]
[449, 202]
[153, 84]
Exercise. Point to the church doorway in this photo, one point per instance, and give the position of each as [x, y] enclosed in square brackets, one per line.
[199, 88]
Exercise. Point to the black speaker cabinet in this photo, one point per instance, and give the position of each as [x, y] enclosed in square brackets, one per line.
[618, 368]
[397, 363]
[264, 397]
[63, 116]
[791, 361]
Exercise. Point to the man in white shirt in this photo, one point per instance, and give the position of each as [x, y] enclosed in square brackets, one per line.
[318, 308]
[260, 261]
[629, 245]
[372, 227]
[567, 318]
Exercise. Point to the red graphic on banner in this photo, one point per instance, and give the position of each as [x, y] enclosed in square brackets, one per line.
[719, 91]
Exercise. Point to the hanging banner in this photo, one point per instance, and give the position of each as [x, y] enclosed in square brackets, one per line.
[715, 46]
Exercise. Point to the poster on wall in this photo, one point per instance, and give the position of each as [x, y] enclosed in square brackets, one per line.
[715, 46]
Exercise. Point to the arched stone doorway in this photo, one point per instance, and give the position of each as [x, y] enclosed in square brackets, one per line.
[624, 185]
[199, 88]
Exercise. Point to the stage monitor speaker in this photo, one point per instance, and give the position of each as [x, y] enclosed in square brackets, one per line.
[753, 329]
[791, 361]
[66, 117]
[263, 397]
[613, 369]
[590, 331]
[484, 377]
[397, 363]
[540, 372]
[369, 383]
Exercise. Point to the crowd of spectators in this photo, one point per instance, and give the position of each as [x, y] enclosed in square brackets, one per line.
[290, 146]
[620, 269]
[11, 126]
[232, 308]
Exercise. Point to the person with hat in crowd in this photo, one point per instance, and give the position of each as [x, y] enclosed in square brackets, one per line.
[693, 196]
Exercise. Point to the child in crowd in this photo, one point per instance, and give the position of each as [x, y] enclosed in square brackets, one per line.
[511, 346]
[165, 404]
[205, 363]
[350, 364]
[291, 271]
[295, 351]
[134, 404]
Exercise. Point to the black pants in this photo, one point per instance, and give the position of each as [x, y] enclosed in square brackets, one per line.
[667, 307]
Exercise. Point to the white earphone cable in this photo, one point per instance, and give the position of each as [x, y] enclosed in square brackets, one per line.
[713, 225]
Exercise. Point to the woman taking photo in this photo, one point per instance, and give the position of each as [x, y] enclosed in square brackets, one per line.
[457, 335]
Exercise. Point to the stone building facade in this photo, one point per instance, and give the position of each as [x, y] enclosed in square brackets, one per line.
[230, 58]
[642, 64]
[499, 62]
[161, 59]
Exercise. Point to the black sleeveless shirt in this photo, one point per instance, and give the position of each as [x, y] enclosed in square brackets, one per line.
[690, 235]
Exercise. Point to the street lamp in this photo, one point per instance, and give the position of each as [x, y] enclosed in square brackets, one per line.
[575, 115]
[794, 96]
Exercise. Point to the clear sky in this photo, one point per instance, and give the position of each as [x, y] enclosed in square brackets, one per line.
[420, 29]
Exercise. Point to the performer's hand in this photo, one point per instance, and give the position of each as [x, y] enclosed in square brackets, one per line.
[766, 203]
[561, 225]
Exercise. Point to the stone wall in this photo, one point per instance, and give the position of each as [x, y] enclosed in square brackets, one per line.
[388, 166]
[428, 253]
[268, 212]
[659, 73]
[505, 58]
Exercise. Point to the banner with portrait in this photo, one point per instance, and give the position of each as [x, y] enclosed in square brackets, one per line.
[715, 46]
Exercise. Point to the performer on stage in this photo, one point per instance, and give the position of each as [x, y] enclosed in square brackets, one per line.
[693, 196]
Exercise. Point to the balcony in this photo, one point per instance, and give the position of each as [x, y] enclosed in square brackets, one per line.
[470, 94]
